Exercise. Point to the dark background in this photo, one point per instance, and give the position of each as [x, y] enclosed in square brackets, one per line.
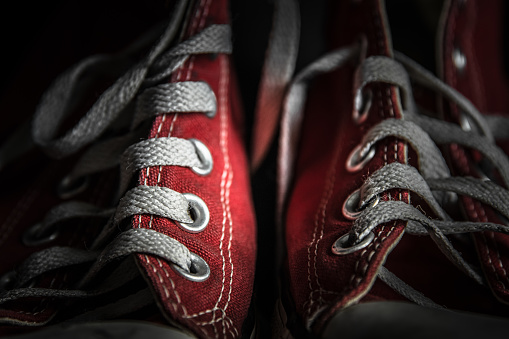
[40, 39]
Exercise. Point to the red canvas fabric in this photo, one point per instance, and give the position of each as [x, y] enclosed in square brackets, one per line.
[215, 308]
[218, 306]
[476, 29]
[322, 283]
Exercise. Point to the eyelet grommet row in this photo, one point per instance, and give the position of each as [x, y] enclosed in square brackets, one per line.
[351, 209]
[362, 105]
[341, 245]
[33, 237]
[355, 162]
[199, 271]
[205, 158]
[199, 212]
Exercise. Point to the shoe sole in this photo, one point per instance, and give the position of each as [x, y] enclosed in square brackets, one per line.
[397, 320]
[113, 330]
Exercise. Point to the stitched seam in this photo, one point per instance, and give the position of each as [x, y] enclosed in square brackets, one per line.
[499, 259]
[321, 212]
[224, 127]
[382, 115]
[356, 278]
[479, 86]
[199, 17]
[393, 115]
[191, 65]
[228, 322]
[194, 24]
[223, 226]
[228, 186]
[148, 260]
[230, 175]
[226, 180]
[380, 43]
[484, 218]
[490, 262]
[474, 215]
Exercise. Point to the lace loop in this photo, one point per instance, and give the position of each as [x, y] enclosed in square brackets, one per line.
[380, 69]
[431, 181]
[135, 97]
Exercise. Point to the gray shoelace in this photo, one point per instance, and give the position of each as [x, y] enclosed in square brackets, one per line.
[431, 181]
[140, 87]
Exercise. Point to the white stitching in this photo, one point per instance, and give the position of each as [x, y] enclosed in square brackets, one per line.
[228, 185]
[499, 260]
[491, 262]
[225, 186]
[482, 217]
[224, 177]
[321, 211]
[230, 175]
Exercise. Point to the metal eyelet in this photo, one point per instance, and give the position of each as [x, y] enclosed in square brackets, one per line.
[199, 213]
[7, 280]
[351, 209]
[211, 114]
[464, 122]
[459, 59]
[340, 246]
[199, 271]
[33, 237]
[467, 125]
[355, 162]
[205, 157]
[70, 187]
[362, 105]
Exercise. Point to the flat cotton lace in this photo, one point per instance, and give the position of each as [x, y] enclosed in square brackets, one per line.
[137, 96]
[431, 181]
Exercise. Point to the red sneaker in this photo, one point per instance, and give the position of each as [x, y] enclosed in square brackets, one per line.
[170, 238]
[473, 61]
[377, 243]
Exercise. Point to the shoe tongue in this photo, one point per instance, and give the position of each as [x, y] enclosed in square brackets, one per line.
[472, 60]
[413, 27]
[354, 20]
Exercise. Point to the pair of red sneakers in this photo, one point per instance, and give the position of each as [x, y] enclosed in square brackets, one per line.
[392, 189]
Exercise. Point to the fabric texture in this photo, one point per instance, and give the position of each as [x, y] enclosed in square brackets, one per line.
[382, 142]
